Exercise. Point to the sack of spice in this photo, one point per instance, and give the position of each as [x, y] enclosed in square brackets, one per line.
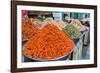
[51, 21]
[71, 31]
[37, 22]
[76, 23]
[61, 23]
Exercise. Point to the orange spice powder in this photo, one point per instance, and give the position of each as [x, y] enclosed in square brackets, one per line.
[48, 43]
[28, 29]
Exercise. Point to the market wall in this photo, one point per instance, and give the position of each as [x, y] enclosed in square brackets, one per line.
[5, 36]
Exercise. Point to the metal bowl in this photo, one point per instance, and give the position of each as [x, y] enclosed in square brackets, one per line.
[40, 60]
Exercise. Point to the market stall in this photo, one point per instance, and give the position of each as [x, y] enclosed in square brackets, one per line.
[36, 24]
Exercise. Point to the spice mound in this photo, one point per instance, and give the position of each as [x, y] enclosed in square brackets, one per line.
[72, 31]
[48, 43]
[28, 29]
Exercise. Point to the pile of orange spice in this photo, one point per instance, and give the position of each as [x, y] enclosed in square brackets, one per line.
[48, 43]
[28, 29]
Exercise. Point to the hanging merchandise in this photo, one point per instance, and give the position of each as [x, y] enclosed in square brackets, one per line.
[57, 15]
[24, 13]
